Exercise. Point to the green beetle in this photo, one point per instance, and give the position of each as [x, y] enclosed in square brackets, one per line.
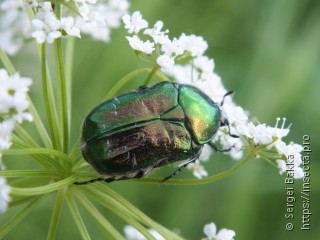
[128, 136]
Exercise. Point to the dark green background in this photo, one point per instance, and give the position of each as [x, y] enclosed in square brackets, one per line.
[268, 52]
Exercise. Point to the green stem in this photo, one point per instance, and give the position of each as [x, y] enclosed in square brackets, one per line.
[45, 160]
[28, 173]
[55, 214]
[44, 189]
[11, 223]
[68, 73]
[6, 62]
[75, 154]
[25, 136]
[39, 125]
[63, 98]
[105, 225]
[148, 79]
[118, 209]
[21, 201]
[77, 218]
[128, 78]
[136, 213]
[211, 179]
[36, 151]
[48, 99]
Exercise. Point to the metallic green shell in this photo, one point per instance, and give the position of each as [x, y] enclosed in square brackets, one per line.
[126, 111]
[131, 134]
[202, 114]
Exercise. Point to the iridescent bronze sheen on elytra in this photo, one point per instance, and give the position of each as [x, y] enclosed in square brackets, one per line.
[129, 135]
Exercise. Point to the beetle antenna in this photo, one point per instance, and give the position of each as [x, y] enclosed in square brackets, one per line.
[224, 96]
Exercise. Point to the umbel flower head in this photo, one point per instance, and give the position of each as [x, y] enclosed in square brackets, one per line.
[182, 59]
[96, 19]
[13, 109]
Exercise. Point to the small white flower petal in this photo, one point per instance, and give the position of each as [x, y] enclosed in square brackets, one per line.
[204, 64]
[67, 24]
[38, 24]
[135, 22]
[172, 48]
[156, 33]
[281, 165]
[205, 153]
[196, 45]
[210, 230]
[165, 62]
[225, 234]
[40, 36]
[52, 36]
[145, 47]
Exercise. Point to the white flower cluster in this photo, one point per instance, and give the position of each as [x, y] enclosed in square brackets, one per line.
[13, 108]
[183, 60]
[14, 26]
[210, 230]
[95, 19]
[98, 19]
[132, 233]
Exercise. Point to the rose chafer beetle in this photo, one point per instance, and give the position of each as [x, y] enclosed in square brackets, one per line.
[128, 136]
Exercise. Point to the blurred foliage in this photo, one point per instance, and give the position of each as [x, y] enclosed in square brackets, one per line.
[268, 52]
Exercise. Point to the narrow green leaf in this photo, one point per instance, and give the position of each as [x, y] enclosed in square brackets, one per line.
[36, 151]
[149, 77]
[106, 226]
[39, 125]
[136, 213]
[28, 173]
[68, 73]
[49, 100]
[62, 97]
[25, 136]
[77, 218]
[6, 62]
[44, 160]
[206, 180]
[56, 214]
[44, 189]
[10, 224]
[130, 76]
[118, 209]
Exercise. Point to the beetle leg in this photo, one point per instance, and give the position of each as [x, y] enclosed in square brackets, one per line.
[225, 122]
[216, 149]
[90, 181]
[179, 169]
